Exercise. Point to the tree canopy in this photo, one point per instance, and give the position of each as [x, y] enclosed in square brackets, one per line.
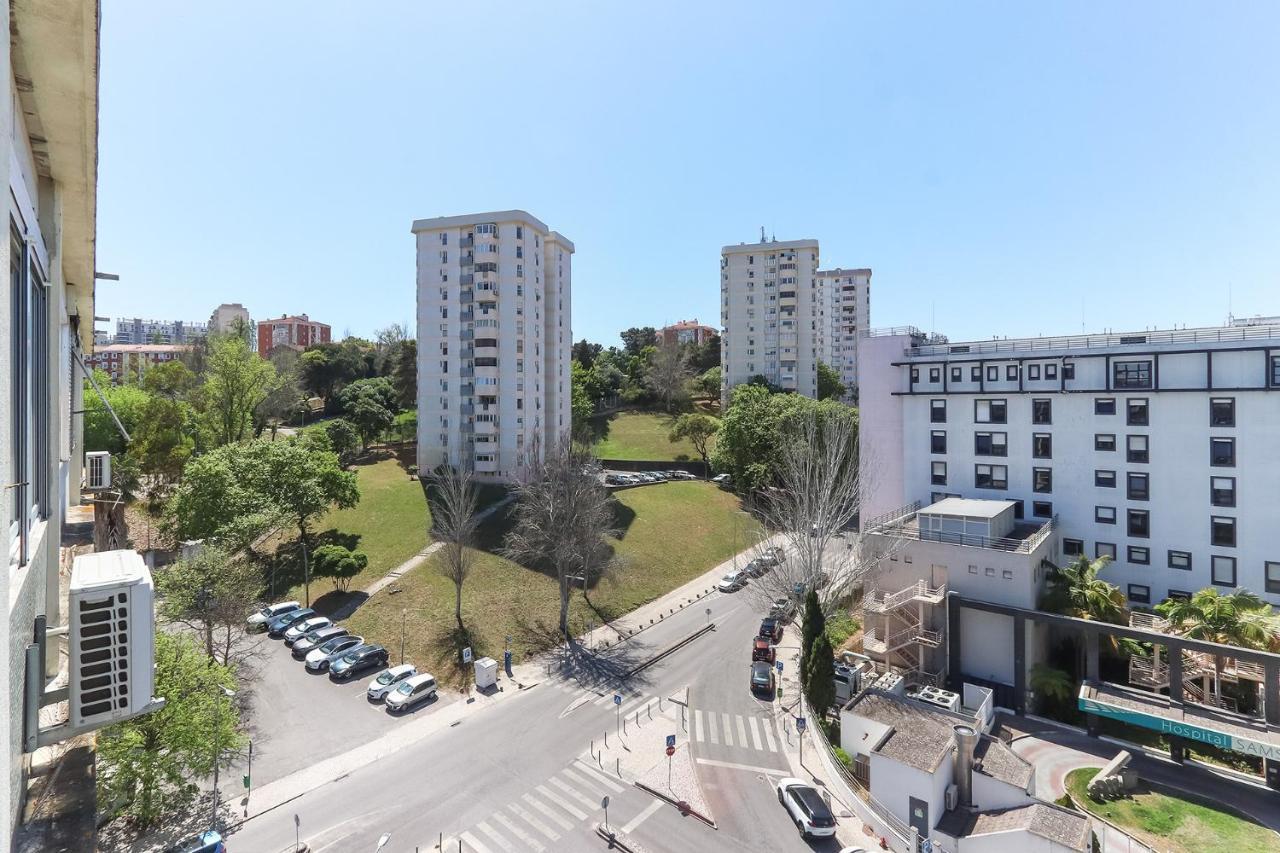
[698, 429]
[371, 405]
[829, 385]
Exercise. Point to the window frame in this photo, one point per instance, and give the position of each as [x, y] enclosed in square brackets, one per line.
[1011, 373]
[1072, 547]
[1033, 373]
[1230, 421]
[1098, 438]
[1226, 523]
[1139, 597]
[1130, 552]
[1214, 490]
[934, 478]
[1230, 442]
[1099, 514]
[975, 373]
[1042, 509]
[1069, 371]
[1036, 420]
[1268, 584]
[1036, 473]
[1104, 549]
[992, 402]
[1050, 371]
[1133, 374]
[1036, 439]
[1175, 556]
[1143, 526]
[1213, 570]
[934, 435]
[1138, 457]
[1143, 407]
[1143, 494]
[1101, 403]
[956, 373]
[1000, 485]
[993, 373]
[935, 374]
[1002, 452]
[1101, 485]
[936, 405]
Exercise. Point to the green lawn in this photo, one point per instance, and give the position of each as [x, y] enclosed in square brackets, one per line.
[673, 533]
[641, 436]
[1172, 823]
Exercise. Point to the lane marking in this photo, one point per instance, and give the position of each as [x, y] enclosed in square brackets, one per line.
[551, 814]
[561, 802]
[582, 781]
[711, 722]
[742, 730]
[697, 724]
[604, 780]
[474, 843]
[638, 704]
[728, 731]
[573, 792]
[497, 838]
[711, 762]
[767, 725]
[755, 733]
[550, 833]
[631, 825]
[520, 833]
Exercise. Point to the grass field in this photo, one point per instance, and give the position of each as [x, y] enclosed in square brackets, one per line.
[642, 436]
[1171, 823]
[673, 533]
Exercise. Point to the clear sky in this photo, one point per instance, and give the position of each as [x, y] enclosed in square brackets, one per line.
[1004, 169]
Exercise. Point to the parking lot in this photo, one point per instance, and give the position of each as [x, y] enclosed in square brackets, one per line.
[644, 478]
[296, 717]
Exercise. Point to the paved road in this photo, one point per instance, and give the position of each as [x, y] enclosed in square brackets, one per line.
[511, 778]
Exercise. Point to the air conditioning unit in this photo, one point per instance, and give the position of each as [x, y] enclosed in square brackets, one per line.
[952, 797]
[97, 470]
[111, 629]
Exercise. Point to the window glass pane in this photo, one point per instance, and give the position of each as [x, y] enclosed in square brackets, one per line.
[1224, 571]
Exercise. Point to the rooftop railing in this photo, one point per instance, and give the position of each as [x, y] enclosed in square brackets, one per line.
[1224, 334]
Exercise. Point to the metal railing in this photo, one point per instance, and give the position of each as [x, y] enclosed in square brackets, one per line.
[995, 543]
[876, 601]
[1224, 334]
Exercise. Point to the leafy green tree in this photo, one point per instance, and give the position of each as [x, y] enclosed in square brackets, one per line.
[128, 402]
[404, 374]
[325, 368]
[237, 383]
[164, 439]
[1077, 590]
[338, 564]
[706, 355]
[147, 765]
[751, 431]
[370, 404]
[585, 353]
[708, 381]
[211, 593]
[344, 438]
[698, 429]
[820, 684]
[580, 403]
[605, 378]
[812, 626]
[829, 385]
[637, 338]
[1238, 618]
[1054, 685]
[217, 490]
[171, 379]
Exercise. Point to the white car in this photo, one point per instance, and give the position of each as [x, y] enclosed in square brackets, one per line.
[319, 658]
[732, 581]
[388, 680]
[259, 619]
[298, 630]
[809, 812]
[411, 691]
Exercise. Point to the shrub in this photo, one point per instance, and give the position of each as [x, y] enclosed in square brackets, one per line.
[337, 563]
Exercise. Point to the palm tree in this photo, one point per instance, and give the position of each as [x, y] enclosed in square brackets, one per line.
[1239, 618]
[1076, 590]
[1053, 684]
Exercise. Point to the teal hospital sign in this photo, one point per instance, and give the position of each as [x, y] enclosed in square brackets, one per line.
[1198, 734]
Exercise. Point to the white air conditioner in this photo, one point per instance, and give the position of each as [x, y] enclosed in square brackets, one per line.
[111, 628]
[97, 470]
[952, 797]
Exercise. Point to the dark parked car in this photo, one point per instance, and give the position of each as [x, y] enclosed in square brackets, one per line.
[762, 678]
[761, 650]
[277, 626]
[359, 659]
[771, 630]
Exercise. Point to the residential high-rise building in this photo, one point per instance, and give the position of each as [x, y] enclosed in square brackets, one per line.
[494, 340]
[769, 308]
[134, 330]
[687, 332]
[295, 332]
[845, 295]
[129, 361]
[1153, 448]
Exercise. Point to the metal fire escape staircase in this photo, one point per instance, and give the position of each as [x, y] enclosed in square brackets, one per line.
[1198, 669]
[901, 634]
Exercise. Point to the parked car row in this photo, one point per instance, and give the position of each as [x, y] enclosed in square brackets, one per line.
[618, 478]
[324, 645]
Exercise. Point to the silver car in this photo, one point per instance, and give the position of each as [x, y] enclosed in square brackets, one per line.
[258, 620]
[319, 658]
[318, 637]
[298, 630]
[387, 680]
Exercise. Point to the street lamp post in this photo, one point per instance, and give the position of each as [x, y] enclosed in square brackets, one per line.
[404, 613]
[217, 750]
[382, 842]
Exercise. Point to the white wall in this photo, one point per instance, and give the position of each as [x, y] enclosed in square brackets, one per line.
[880, 424]
[893, 784]
[986, 645]
[991, 793]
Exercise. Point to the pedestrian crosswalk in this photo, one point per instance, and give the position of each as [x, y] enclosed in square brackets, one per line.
[542, 816]
[645, 704]
[743, 731]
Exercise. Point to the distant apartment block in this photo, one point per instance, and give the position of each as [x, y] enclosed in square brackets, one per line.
[125, 361]
[1154, 448]
[687, 332]
[494, 340]
[845, 297]
[232, 315]
[135, 330]
[295, 332]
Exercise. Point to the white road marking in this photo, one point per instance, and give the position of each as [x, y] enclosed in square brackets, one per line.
[711, 723]
[711, 762]
[524, 813]
[573, 792]
[608, 697]
[497, 838]
[561, 802]
[767, 725]
[573, 706]
[697, 724]
[525, 837]
[474, 843]
[742, 730]
[728, 731]
[601, 778]
[631, 825]
[638, 704]
[755, 733]
[551, 814]
[580, 780]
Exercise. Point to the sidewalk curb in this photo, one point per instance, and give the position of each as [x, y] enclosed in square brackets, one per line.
[615, 840]
[680, 804]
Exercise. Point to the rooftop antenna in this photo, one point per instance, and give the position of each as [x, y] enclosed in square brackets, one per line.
[762, 240]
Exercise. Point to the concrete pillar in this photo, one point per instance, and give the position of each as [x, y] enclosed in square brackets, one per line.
[954, 682]
[1091, 674]
[1020, 664]
[1175, 674]
[1271, 691]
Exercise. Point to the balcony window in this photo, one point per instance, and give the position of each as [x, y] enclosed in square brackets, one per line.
[1224, 571]
[1042, 411]
[1137, 448]
[1104, 441]
[993, 374]
[990, 411]
[1180, 560]
[938, 474]
[1222, 412]
[1104, 479]
[1139, 555]
[1139, 523]
[935, 374]
[938, 411]
[1104, 406]
[1222, 491]
[1042, 480]
[1131, 374]
[1138, 413]
[1223, 531]
[1222, 452]
[1041, 445]
[990, 444]
[938, 441]
[1138, 486]
[991, 476]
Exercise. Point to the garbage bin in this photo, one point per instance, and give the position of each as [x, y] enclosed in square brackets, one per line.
[486, 673]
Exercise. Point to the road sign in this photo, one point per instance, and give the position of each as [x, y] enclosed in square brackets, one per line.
[617, 698]
[778, 666]
[671, 750]
[466, 655]
[799, 590]
[671, 741]
[800, 724]
[604, 802]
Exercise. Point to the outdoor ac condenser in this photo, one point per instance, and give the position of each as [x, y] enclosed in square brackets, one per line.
[97, 470]
[111, 630]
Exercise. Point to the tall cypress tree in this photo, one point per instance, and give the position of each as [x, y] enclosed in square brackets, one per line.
[813, 626]
[820, 687]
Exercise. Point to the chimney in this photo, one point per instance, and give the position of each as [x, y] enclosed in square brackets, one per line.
[966, 743]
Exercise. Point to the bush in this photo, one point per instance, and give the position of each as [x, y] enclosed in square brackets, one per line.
[338, 563]
[840, 627]
[844, 757]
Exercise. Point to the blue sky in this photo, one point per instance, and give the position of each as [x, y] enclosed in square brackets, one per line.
[1003, 168]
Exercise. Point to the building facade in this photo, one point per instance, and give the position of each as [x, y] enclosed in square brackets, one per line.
[769, 311]
[494, 340]
[687, 332]
[49, 166]
[130, 361]
[230, 316]
[296, 332]
[135, 330]
[845, 297]
[1156, 449]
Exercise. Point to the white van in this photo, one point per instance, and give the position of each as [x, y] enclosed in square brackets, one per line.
[411, 691]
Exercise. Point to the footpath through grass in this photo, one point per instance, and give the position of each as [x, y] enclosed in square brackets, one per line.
[671, 533]
[1171, 823]
[642, 436]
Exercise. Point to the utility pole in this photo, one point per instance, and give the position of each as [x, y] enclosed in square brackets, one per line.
[217, 749]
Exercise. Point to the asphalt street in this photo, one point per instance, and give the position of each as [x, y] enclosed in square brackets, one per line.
[511, 777]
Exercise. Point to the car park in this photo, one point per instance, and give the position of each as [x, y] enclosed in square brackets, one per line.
[321, 657]
[388, 680]
[722, 479]
[770, 629]
[782, 609]
[302, 627]
[761, 649]
[208, 841]
[754, 568]
[762, 678]
[357, 660]
[277, 626]
[809, 812]
[258, 620]
[304, 644]
[411, 692]
[733, 581]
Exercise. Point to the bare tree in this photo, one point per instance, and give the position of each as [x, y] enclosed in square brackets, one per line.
[563, 515]
[453, 516]
[811, 510]
[211, 593]
[669, 374]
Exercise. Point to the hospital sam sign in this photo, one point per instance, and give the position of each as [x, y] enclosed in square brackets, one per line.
[1197, 734]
